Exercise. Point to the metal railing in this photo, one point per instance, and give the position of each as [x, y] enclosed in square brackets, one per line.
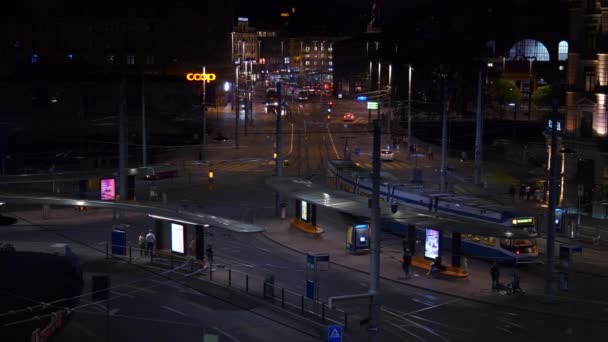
[256, 286]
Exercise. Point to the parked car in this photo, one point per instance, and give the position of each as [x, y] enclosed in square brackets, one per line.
[386, 154]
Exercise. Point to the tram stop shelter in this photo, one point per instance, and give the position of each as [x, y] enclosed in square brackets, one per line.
[406, 220]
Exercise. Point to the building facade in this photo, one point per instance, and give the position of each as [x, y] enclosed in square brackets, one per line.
[585, 165]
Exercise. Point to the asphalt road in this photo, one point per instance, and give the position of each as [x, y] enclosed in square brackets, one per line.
[171, 312]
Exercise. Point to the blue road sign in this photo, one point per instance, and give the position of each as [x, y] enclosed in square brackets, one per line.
[310, 289]
[334, 333]
[361, 98]
[357, 151]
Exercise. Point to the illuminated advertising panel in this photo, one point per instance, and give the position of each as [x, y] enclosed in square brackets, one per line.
[177, 238]
[304, 211]
[432, 243]
[108, 189]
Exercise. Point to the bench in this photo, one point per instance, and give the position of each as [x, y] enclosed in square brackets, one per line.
[305, 227]
[447, 270]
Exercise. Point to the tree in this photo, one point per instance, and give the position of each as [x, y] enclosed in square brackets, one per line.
[543, 96]
[503, 92]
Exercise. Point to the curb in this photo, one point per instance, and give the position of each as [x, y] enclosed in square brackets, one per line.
[475, 300]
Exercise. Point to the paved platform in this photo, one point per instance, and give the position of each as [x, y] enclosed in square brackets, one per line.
[585, 298]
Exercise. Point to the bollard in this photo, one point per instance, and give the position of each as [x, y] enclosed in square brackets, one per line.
[282, 297]
[323, 312]
[246, 283]
[107, 251]
[229, 277]
[345, 320]
[130, 255]
[210, 273]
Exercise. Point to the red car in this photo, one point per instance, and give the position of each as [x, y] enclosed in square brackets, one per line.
[348, 117]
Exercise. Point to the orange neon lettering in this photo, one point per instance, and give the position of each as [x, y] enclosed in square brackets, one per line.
[200, 77]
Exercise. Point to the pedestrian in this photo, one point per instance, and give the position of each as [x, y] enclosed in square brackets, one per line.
[495, 274]
[150, 241]
[404, 244]
[209, 252]
[528, 192]
[192, 248]
[522, 191]
[429, 152]
[407, 261]
[512, 191]
[142, 244]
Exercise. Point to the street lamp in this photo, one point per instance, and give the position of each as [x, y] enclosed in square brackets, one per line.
[514, 105]
[409, 105]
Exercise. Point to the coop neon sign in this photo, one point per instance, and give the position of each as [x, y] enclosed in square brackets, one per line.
[200, 77]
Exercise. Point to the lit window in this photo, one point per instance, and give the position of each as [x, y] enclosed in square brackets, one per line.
[70, 56]
[316, 48]
[321, 47]
[35, 58]
[562, 54]
[307, 62]
[131, 59]
[330, 49]
[330, 63]
[307, 55]
[529, 49]
[307, 48]
[110, 59]
[149, 60]
[287, 60]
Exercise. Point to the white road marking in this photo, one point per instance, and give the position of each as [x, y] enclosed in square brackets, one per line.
[332, 143]
[173, 310]
[291, 144]
[226, 334]
[58, 245]
[120, 294]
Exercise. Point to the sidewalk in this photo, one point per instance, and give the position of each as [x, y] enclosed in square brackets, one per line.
[476, 287]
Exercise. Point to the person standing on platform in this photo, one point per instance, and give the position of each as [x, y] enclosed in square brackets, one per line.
[150, 242]
[142, 244]
[495, 274]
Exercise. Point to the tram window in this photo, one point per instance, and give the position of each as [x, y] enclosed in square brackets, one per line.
[490, 241]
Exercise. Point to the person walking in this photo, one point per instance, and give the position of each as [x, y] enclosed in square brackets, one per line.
[141, 240]
[429, 152]
[495, 274]
[407, 261]
[150, 242]
[209, 253]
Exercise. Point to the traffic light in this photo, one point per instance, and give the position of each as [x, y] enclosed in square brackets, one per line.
[210, 175]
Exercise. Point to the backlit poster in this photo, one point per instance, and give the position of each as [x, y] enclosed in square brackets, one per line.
[177, 238]
[431, 243]
[108, 189]
[304, 211]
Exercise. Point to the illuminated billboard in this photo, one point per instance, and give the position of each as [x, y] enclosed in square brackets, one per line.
[108, 189]
[177, 238]
[432, 243]
[304, 211]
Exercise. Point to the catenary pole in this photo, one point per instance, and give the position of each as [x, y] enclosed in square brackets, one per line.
[478, 133]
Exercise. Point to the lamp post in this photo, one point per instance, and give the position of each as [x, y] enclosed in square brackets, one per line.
[409, 105]
[514, 106]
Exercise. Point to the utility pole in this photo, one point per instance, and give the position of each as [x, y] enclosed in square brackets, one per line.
[374, 261]
[122, 142]
[409, 106]
[236, 109]
[478, 134]
[552, 202]
[279, 159]
[444, 139]
[144, 151]
[204, 106]
[246, 98]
